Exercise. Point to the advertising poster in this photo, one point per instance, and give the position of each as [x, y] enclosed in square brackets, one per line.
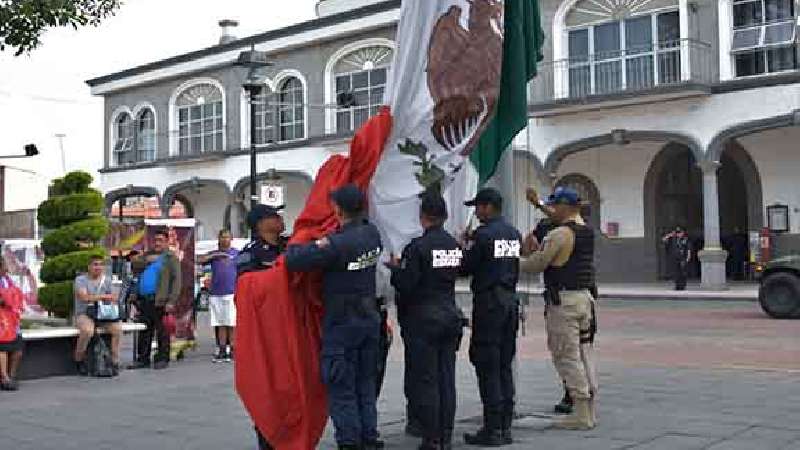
[181, 243]
[23, 258]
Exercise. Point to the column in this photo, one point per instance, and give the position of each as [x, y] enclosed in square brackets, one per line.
[712, 257]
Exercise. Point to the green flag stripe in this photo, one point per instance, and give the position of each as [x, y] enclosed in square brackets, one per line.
[522, 50]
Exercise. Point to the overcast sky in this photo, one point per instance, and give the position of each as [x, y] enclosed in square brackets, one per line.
[44, 94]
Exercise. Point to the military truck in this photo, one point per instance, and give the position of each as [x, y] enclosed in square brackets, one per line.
[779, 293]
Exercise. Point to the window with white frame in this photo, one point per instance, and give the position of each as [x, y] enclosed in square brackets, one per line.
[264, 109]
[360, 82]
[291, 106]
[123, 140]
[636, 47]
[200, 120]
[146, 136]
[764, 36]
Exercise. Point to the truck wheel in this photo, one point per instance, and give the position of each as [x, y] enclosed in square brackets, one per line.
[779, 295]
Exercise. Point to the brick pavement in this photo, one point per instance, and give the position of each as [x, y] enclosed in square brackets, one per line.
[662, 397]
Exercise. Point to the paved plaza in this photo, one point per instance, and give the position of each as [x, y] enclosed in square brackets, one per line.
[675, 375]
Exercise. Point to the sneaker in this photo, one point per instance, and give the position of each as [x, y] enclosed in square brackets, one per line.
[229, 354]
[10, 385]
[159, 365]
[219, 356]
[82, 368]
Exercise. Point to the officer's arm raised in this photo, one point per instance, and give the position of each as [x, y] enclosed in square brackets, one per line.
[538, 261]
[303, 258]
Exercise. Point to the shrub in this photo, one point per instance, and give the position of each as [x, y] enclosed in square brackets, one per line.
[65, 209]
[70, 238]
[57, 298]
[69, 265]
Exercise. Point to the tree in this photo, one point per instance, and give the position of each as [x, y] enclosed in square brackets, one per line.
[22, 22]
[73, 216]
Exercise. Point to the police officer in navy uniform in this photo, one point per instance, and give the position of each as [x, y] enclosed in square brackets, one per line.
[425, 279]
[267, 242]
[351, 324]
[492, 258]
[261, 252]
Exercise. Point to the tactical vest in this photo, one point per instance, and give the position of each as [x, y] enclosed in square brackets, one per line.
[578, 272]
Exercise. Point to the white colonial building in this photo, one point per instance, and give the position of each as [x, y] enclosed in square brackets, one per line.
[661, 112]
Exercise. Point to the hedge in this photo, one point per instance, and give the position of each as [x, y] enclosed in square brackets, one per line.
[57, 298]
[76, 182]
[68, 266]
[63, 210]
[69, 237]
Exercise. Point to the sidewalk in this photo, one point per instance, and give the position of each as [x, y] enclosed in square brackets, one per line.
[655, 291]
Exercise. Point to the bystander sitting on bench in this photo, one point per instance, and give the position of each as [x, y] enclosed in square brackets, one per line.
[10, 333]
[92, 290]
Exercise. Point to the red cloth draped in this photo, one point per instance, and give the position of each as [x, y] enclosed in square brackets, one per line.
[10, 310]
[278, 332]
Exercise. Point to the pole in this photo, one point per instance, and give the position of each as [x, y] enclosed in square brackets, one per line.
[253, 91]
[61, 137]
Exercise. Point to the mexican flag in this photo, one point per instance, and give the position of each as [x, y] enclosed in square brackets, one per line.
[456, 97]
[458, 94]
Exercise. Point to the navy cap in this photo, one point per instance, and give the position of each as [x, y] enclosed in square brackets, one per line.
[564, 196]
[486, 196]
[349, 198]
[433, 205]
[262, 212]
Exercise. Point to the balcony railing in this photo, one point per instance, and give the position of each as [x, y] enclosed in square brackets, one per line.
[632, 70]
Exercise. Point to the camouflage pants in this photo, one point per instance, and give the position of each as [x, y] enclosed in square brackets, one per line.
[564, 325]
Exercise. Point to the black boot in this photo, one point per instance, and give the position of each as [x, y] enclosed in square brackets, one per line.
[508, 419]
[429, 444]
[377, 444]
[490, 435]
[565, 407]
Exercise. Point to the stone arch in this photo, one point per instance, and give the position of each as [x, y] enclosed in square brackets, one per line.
[172, 192]
[128, 191]
[619, 137]
[590, 195]
[241, 193]
[717, 145]
[752, 179]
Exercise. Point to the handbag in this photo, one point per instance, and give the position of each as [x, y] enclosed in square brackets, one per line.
[108, 312]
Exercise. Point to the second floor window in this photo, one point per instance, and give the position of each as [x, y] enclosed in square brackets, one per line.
[633, 53]
[146, 136]
[123, 140]
[200, 120]
[264, 109]
[360, 81]
[292, 116]
[764, 34]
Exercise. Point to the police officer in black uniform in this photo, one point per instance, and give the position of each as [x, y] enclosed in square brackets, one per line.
[261, 252]
[425, 279]
[267, 241]
[351, 324]
[492, 258]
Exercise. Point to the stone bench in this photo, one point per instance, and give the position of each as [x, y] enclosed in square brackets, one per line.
[48, 351]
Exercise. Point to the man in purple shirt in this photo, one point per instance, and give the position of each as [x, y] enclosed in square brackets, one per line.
[220, 302]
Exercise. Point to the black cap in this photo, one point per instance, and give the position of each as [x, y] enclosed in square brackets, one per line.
[487, 196]
[262, 212]
[349, 198]
[433, 205]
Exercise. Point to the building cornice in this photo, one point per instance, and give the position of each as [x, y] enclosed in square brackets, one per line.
[304, 33]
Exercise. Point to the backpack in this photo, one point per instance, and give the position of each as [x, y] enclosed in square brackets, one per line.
[100, 363]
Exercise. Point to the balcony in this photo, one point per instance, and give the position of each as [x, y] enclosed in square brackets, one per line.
[667, 70]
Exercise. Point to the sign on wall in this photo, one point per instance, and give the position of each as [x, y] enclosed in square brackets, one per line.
[272, 195]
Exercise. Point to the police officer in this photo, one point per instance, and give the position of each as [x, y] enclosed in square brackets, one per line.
[680, 253]
[260, 254]
[492, 258]
[267, 242]
[543, 227]
[425, 280]
[351, 324]
[567, 260]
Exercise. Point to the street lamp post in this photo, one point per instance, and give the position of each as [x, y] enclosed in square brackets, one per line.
[251, 61]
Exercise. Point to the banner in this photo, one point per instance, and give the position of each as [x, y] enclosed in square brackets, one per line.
[181, 242]
[23, 258]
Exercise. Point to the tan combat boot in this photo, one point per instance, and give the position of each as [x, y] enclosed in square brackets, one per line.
[580, 419]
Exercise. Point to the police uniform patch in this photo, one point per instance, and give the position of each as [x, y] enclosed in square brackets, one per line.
[504, 248]
[446, 258]
[365, 261]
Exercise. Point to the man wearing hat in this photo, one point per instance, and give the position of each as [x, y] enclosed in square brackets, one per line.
[567, 259]
[348, 259]
[492, 258]
[267, 241]
[261, 252]
[425, 279]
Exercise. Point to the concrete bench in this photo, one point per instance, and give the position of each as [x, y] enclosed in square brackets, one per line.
[48, 351]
